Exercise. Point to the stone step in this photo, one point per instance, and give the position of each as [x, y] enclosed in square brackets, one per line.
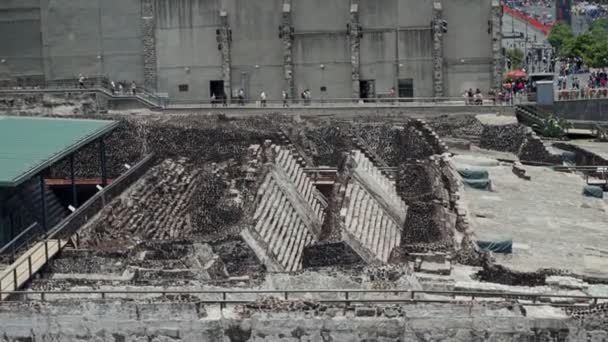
[297, 249]
[289, 240]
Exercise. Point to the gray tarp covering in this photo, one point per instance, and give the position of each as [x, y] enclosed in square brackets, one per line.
[469, 173]
[568, 156]
[480, 184]
[593, 191]
[505, 247]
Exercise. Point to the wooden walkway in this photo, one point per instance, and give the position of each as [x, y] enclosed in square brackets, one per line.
[22, 270]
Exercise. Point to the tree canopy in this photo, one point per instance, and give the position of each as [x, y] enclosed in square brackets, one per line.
[516, 56]
[591, 46]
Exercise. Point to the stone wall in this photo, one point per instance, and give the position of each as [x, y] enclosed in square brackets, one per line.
[274, 320]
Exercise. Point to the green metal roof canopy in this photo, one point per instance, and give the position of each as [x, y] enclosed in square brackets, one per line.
[29, 145]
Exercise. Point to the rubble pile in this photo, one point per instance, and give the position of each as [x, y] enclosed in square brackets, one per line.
[426, 224]
[156, 207]
[325, 144]
[378, 140]
[421, 181]
[462, 126]
[533, 149]
[213, 212]
[201, 140]
[502, 275]
[125, 145]
[238, 258]
[506, 138]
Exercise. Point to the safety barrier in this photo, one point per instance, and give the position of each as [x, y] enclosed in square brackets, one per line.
[21, 241]
[533, 22]
[70, 225]
[57, 237]
[343, 296]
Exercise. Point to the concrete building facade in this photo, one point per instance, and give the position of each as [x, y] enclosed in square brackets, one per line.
[193, 48]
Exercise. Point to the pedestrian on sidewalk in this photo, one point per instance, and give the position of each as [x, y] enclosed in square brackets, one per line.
[81, 80]
[263, 98]
[113, 88]
[213, 102]
[285, 96]
[241, 96]
[134, 88]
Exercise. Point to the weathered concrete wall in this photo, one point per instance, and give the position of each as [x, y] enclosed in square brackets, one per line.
[255, 41]
[467, 45]
[186, 46]
[93, 38]
[116, 321]
[22, 52]
[113, 37]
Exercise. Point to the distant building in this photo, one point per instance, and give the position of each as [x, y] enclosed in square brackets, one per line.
[191, 49]
[563, 11]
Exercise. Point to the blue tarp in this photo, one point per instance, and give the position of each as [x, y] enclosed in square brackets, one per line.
[480, 184]
[569, 156]
[504, 247]
[593, 191]
[468, 173]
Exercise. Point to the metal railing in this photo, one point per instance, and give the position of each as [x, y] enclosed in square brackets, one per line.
[335, 103]
[70, 225]
[15, 273]
[344, 296]
[20, 242]
[581, 94]
[95, 84]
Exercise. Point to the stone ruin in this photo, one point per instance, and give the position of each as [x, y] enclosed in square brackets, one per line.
[234, 204]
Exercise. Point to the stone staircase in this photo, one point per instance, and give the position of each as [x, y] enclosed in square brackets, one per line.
[288, 216]
[372, 212]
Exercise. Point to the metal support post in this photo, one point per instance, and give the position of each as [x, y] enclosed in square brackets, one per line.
[43, 205]
[102, 158]
[73, 178]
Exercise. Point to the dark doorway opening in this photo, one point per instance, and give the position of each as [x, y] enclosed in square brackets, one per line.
[406, 89]
[367, 90]
[217, 88]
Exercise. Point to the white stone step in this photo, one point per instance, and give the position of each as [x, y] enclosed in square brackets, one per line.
[273, 237]
[293, 252]
[271, 219]
[296, 251]
[294, 223]
[285, 230]
[272, 196]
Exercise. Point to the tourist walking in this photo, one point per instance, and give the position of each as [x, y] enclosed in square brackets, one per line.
[263, 98]
[81, 80]
[241, 96]
[285, 96]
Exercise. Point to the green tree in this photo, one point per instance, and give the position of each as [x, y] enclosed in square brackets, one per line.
[600, 28]
[560, 33]
[579, 46]
[517, 58]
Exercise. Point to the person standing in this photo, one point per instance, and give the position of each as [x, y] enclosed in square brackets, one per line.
[263, 98]
[241, 96]
[113, 88]
[285, 98]
[81, 80]
[213, 102]
[133, 88]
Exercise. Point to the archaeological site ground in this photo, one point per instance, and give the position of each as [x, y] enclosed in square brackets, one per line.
[281, 227]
